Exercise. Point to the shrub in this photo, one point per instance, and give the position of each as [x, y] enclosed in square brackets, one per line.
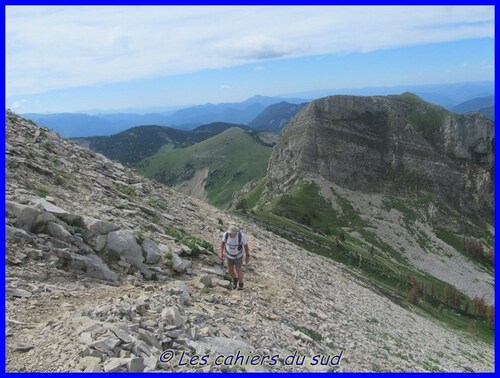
[168, 261]
[474, 247]
[491, 317]
[471, 327]
[413, 295]
[316, 336]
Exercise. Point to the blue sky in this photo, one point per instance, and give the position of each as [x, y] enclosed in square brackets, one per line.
[64, 59]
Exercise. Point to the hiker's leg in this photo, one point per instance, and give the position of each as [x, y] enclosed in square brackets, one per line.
[239, 272]
[230, 268]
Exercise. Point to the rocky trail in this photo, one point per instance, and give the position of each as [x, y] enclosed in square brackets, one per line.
[103, 275]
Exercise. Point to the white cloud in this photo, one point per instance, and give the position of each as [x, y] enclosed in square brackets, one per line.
[259, 68]
[17, 104]
[225, 87]
[257, 47]
[61, 47]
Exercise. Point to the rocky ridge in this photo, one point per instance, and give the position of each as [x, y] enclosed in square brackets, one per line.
[367, 143]
[99, 278]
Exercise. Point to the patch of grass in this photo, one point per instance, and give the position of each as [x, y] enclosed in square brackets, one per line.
[306, 206]
[41, 192]
[177, 234]
[254, 195]
[316, 336]
[194, 243]
[191, 241]
[168, 259]
[350, 216]
[126, 189]
[156, 203]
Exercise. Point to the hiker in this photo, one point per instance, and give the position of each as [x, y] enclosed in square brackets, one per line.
[233, 244]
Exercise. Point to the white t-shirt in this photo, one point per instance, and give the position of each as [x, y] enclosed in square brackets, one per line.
[231, 250]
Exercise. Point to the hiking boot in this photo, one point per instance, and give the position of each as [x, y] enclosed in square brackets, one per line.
[235, 282]
[240, 286]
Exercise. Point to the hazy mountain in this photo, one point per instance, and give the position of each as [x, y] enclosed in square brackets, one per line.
[447, 95]
[483, 105]
[84, 125]
[276, 116]
[74, 124]
[137, 143]
[238, 112]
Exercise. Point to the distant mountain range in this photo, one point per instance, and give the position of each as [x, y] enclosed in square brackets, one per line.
[254, 111]
[84, 125]
[483, 105]
[446, 95]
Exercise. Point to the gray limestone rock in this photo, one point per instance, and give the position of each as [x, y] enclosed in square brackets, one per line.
[21, 347]
[100, 243]
[136, 364]
[26, 219]
[206, 281]
[214, 270]
[49, 207]
[14, 208]
[153, 255]
[172, 316]
[18, 293]
[98, 227]
[115, 364]
[58, 231]
[148, 338]
[121, 334]
[179, 264]
[124, 243]
[91, 266]
[14, 233]
[105, 344]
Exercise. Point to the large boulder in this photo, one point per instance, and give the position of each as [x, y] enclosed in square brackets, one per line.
[151, 251]
[179, 264]
[124, 243]
[98, 227]
[58, 231]
[26, 219]
[14, 208]
[47, 206]
[91, 265]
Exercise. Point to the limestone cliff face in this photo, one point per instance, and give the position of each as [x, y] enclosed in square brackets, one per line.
[396, 143]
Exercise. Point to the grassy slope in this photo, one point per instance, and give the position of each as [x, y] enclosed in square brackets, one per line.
[304, 217]
[234, 158]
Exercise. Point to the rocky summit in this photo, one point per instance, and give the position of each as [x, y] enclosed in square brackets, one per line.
[109, 271]
[397, 143]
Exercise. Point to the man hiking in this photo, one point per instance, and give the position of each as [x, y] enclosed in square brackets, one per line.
[233, 244]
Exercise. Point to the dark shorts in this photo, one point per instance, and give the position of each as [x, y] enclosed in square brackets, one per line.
[235, 262]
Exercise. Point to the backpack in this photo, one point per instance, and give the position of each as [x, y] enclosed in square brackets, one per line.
[240, 246]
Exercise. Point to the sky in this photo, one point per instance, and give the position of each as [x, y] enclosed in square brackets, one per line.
[68, 59]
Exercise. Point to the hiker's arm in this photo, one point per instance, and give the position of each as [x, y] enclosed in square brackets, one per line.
[247, 253]
[221, 253]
